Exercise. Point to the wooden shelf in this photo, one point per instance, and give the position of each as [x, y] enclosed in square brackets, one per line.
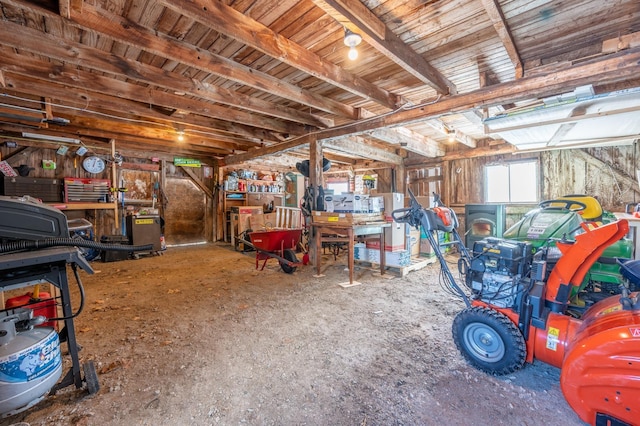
[84, 206]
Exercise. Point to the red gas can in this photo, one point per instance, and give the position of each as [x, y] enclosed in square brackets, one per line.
[43, 305]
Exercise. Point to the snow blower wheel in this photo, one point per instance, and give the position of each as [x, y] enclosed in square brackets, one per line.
[489, 340]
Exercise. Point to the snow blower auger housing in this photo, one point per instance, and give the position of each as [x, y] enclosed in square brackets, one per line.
[517, 312]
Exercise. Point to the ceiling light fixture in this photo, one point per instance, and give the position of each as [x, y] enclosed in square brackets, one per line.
[351, 40]
[451, 135]
[49, 137]
[180, 135]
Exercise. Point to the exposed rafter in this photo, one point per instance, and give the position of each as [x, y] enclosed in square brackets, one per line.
[56, 74]
[229, 21]
[456, 135]
[247, 78]
[613, 68]
[354, 15]
[359, 146]
[130, 33]
[409, 140]
[500, 24]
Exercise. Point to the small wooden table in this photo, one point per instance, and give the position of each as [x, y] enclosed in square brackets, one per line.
[347, 234]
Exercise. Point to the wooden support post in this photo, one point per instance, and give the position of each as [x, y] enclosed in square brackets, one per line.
[115, 184]
[217, 182]
[446, 178]
[401, 179]
[315, 182]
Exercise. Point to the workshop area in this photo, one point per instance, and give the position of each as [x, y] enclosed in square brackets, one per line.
[353, 212]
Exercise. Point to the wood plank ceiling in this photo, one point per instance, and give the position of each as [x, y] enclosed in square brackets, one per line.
[247, 80]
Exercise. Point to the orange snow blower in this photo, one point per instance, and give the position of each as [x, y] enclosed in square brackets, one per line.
[518, 311]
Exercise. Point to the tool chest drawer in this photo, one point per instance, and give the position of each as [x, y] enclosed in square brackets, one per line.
[48, 190]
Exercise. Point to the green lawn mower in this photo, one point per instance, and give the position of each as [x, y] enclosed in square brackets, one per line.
[565, 217]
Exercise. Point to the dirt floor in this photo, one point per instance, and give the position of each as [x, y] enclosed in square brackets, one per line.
[197, 336]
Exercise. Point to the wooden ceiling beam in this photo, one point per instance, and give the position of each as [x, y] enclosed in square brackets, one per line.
[352, 146]
[610, 69]
[353, 15]
[101, 86]
[500, 24]
[453, 134]
[357, 145]
[627, 41]
[267, 151]
[283, 162]
[409, 140]
[65, 7]
[227, 20]
[93, 140]
[503, 149]
[27, 39]
[132, 34]
[117, 130]
[336, 157]
[101, 106]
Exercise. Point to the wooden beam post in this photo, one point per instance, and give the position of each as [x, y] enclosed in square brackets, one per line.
[315, 182]
[401, 179]
[115, 184]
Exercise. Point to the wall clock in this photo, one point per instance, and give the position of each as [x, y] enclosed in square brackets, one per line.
[93, 164]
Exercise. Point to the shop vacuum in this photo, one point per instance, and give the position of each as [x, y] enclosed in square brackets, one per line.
[35, 248]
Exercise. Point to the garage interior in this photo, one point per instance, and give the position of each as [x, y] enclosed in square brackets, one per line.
[187, 126]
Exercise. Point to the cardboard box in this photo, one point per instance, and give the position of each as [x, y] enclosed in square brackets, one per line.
[376, 204]
[394, 236]
[360, 252]
[247, 210]
[343, 203]
[394, 259]
[413, 241]
[375, 245]
[335, 218]
[328, 202]
[241, 221]
[360, 203]
[392, 201]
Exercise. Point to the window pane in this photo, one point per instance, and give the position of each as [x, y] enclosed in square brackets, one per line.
[512, 183]
[524, 182]
[497, 184]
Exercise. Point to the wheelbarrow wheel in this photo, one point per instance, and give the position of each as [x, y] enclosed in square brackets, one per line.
[290, 255]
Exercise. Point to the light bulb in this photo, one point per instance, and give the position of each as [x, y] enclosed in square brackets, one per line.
[180, 136]
[353, 53]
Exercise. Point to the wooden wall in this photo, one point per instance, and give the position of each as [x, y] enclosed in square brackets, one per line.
[188, 211]
[609, 174]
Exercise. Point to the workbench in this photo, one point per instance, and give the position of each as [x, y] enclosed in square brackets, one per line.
[345, 233]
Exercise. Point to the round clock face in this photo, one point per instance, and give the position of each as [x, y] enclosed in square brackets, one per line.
[93, 164]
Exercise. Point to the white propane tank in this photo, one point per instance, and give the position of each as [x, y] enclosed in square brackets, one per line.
[30, 365]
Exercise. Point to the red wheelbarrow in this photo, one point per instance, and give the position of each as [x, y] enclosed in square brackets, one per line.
[279, 244]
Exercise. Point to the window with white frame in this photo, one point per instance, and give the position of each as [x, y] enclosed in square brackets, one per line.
[515, 182]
